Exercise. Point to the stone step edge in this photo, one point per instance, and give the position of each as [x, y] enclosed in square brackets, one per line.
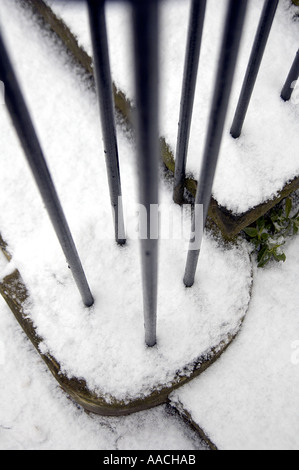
[186, 415]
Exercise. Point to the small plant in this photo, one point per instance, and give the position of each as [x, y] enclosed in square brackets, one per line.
[270, 232]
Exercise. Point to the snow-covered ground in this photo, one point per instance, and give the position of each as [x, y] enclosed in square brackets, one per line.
[256, 405]
[249, 399]
[36, 414]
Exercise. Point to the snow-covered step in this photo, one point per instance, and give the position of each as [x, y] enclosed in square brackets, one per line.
[249, 399]
[261, 167]
[38, 415]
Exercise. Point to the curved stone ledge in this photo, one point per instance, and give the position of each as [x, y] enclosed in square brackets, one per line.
[16, 295]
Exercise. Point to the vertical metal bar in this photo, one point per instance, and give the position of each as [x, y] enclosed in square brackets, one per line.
[35, 158]
[291, 79]
[224, 78]
[259, 46]
[196, 23]
[146, 40]
[98, 30]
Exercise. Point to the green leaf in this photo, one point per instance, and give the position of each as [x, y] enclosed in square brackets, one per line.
[271, 232]
[264, 262]
[261, 224]
[277, 226]
[252, 232]
[282, 257]
[263, 253]
[265, 236]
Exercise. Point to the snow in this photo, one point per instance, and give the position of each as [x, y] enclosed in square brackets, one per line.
[36, 415]
[254, 168]
[96, 344]
[249, 400]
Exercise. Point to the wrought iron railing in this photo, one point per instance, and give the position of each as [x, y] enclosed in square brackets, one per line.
[145, 27]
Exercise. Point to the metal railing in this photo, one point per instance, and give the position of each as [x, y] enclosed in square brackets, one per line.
[145, 28]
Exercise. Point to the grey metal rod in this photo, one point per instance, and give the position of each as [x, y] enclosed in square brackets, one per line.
[146, 39]
[196, 24]
[257, 53]
[35, 158]
[227, 63]
[291, 80]
[98, 30]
